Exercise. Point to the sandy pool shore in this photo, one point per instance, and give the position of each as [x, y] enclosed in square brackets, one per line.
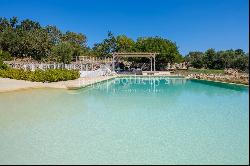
[7, 84]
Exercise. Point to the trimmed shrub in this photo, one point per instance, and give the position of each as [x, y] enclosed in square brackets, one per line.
[51, 75]
[5, 56]
[3, 65]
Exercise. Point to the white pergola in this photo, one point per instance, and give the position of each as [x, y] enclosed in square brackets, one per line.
[149, 55]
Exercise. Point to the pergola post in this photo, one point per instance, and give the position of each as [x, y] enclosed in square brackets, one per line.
[154, 62]
[151, 63]
[113, 62]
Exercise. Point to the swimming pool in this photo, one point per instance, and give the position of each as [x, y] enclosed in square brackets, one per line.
[141, 120]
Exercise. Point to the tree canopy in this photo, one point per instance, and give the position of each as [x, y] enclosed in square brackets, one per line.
[27, 38]
[168, 50]
[212, 59]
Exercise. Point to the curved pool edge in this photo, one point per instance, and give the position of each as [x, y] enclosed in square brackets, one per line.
[149, 76]
[231, 83]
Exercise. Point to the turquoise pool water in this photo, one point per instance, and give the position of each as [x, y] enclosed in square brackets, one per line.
[127, 121]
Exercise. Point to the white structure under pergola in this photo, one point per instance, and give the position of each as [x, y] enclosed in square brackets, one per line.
[149, 55]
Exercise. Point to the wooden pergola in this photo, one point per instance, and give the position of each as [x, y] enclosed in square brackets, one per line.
[149, 55]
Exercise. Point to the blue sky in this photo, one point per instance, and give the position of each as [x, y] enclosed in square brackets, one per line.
[192, 24]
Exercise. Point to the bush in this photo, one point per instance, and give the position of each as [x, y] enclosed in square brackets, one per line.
[63, 52]
[51, 75]
[3, 65]
[5, 56]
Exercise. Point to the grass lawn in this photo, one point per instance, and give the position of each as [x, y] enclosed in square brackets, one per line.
[199, 71]
[206, 71]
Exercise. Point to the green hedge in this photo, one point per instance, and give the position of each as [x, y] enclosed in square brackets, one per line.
[5, 56]
[3, 65]
[51, 75]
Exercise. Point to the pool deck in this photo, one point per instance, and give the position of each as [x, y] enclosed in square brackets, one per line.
[7, 84]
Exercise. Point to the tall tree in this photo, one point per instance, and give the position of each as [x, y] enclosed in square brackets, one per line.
[28, 25]
[106, 47]
[76, 39]
[4, 23]
[63, 52]
[54, 34]
[168, 50]
[13, 22]
[195, 59]
[124, 44]
[209, 58]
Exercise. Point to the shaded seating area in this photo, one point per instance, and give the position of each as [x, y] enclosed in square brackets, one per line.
[138, 71]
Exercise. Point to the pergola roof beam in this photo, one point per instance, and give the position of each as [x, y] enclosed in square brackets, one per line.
[149, 55]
